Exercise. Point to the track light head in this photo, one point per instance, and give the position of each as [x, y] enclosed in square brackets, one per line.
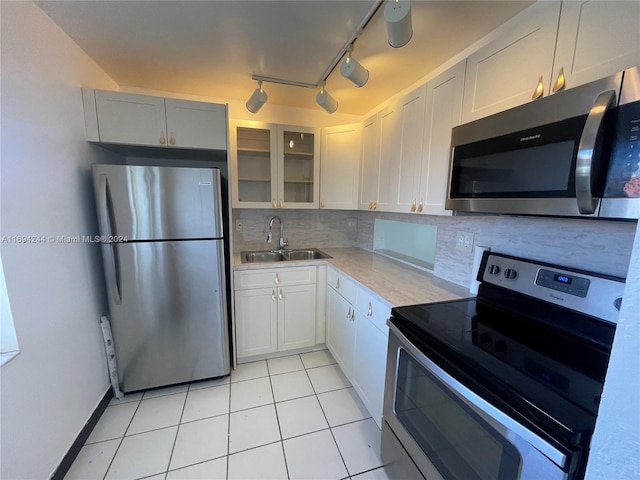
[257, 99]
[353, 70]
[397, 15]
[326, 101]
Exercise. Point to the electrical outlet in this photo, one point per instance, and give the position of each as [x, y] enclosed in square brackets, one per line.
[464, 241]
[238, 225]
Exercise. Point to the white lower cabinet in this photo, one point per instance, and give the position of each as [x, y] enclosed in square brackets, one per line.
[278, 317]
[340, 330]
[369, 365]
[357, 337]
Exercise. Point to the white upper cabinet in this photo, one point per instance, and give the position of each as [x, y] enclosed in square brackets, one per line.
[595, 39]
[548, 48]
[143, 120]
[443, 112]
[196, 124]
[370, 163]
[506, 72]
[380, 143]
[274, 166]
[407, 161]
[340, 167]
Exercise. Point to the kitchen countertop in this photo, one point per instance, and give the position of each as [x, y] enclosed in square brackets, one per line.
[394, 282]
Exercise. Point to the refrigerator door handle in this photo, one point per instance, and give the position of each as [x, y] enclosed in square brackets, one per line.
[108, 249]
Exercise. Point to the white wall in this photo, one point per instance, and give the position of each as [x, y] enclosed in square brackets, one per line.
[51, 388]
[615, 447]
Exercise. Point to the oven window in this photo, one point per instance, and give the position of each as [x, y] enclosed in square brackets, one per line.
[460, 444]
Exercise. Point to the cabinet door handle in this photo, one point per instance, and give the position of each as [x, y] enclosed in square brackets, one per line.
[370, 310]
[420, 206]
[281, 204]
[273, 295]
[413, 205]
[560, 81]
[539, 91]
[280, 295]
[162, 139]
[375, 205]
[273, 202]
[338, 283]
[348, 316]
[321, 204]
[172, 139]
[277, 280]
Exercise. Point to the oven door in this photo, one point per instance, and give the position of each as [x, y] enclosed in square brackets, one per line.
[449, 432]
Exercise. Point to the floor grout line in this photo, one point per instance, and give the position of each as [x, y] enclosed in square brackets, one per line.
[227, 455]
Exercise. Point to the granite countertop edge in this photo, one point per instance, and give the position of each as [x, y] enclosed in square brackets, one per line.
[393, 282]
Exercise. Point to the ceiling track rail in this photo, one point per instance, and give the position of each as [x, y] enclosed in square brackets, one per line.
[347, 45]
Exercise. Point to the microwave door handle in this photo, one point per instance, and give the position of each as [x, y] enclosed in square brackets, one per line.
[584, 162]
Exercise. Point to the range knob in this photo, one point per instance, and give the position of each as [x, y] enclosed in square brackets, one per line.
[494, 269]
[510, 273]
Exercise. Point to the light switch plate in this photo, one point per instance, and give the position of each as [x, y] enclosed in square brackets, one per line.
[238, 225]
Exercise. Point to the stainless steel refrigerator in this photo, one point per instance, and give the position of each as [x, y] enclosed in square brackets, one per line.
[163, 256]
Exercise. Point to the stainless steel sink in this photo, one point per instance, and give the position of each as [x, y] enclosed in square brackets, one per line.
[254, 257]
[311, 254]
[283, 255]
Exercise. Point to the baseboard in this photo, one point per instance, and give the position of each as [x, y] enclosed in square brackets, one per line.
[82, 437]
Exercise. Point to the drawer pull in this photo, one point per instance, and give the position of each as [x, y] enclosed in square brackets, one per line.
[370, 310]
[277, 280]
[338, 283]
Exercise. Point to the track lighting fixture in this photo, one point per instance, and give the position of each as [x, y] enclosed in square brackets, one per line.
[353, 70]
[257, 99]
[397, 15]
[326, 101]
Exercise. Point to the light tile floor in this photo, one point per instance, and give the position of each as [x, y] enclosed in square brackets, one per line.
[294, 417]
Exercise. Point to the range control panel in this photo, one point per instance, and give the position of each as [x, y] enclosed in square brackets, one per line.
[589, 293]
[562, 282]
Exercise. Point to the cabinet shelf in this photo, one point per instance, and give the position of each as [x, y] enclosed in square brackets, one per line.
[254, 179]
[298, 156]
[254, 151]
[302, 181]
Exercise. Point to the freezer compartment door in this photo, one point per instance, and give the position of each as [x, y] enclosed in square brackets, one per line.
[158, 203]
[169, 318]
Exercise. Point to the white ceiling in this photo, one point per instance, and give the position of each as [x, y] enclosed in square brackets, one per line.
[211, 48]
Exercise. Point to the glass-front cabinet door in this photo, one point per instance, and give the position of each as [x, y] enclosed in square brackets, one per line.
[255, 165]
[274, 166]
[298, 180]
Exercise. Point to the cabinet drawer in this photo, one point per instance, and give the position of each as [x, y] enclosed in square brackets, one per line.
[373, 308]
[342, 284]
[273, 277]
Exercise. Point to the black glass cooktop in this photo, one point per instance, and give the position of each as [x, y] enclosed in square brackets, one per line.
[544, 365]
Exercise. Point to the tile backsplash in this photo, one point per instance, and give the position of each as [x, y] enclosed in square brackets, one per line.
[303, 228]
[595, 245]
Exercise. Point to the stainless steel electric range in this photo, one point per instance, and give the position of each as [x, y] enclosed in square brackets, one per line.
[504, 386]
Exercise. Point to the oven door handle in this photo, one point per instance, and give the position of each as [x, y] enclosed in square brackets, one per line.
[491, 414]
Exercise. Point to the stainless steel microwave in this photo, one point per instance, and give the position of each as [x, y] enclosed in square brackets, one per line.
[572, 154]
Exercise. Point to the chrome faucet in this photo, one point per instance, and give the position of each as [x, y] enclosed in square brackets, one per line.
[283, 241]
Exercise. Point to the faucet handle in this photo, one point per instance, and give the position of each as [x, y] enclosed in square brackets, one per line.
[284, 242]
